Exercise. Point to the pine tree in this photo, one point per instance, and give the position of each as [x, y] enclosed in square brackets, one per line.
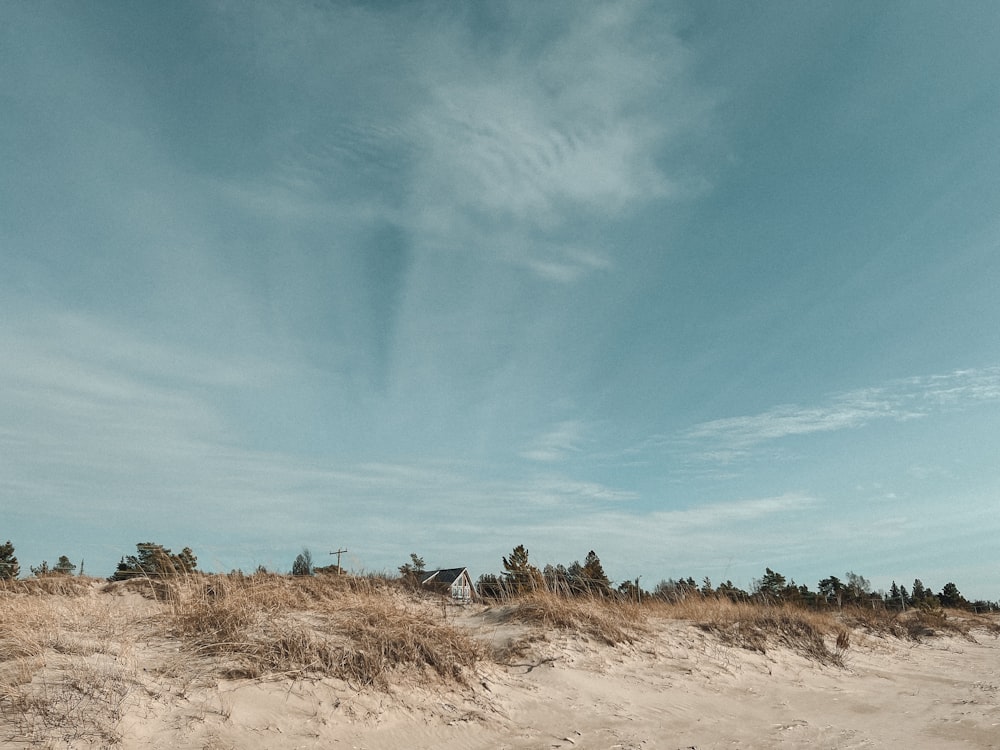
[897, 596]
[520, 575]
[594, 577]
[185, 562]
[772, 585]
[9, 567]
[155, 561]
[950, 596]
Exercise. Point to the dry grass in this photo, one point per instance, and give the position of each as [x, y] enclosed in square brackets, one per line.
[816, 635]
[361, 630]
[607, 619]
[917, 624]
[68, 670]
[61, 585]
[66, 673]
[822, 635]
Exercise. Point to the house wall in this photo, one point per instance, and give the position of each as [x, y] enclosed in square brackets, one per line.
[461, 589]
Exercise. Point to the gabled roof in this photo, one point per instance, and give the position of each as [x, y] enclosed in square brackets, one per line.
[444, 575]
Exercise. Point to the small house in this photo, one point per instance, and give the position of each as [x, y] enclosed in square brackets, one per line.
[455, 581]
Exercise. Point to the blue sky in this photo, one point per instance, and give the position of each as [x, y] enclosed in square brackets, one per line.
[704, 287]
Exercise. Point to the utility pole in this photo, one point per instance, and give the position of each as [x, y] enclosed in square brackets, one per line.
[338, 553]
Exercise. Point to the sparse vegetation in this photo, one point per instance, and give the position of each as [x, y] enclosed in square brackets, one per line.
[68, 675]
[358, 629]
[65, 672]
[611, 621]
[371, 631]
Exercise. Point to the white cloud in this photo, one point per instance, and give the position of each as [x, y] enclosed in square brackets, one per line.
[494, 151]
[507, 149]
[530, 143]
[905, 399]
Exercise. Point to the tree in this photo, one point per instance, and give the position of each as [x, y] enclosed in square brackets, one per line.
[519, 574]
[412, 570]
[575, 578]
[950, 596]
[897, 596]
[593, 575]
[732, 592]
[303, 565]
[923, 596]
[675, 591]
[858, 587]
[41, 570]
[631, 591]
[832, 588]
[64, 566]
[155, 561]
[9, 567]
[185, 561]
[772, 585]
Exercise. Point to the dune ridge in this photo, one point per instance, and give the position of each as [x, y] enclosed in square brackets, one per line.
[271, 661]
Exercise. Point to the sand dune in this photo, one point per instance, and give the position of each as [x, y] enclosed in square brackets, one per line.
[101, 670]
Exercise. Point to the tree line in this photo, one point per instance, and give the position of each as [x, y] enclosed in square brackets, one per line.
[520, 576]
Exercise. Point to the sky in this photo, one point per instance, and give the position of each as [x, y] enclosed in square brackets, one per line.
[705, 287]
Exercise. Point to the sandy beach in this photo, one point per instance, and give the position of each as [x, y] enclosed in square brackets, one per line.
[99, 670]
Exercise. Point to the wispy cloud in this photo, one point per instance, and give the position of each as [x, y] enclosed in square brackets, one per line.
[910, 398]
[533, 142]
[566, 493]
[719, 515]
[96, 421]
[559, 443]
[509, 150]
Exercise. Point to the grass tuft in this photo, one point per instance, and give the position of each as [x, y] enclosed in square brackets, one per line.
[362, 631]
[607, 619]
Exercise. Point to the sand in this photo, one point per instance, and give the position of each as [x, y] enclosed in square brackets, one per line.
[675, 687]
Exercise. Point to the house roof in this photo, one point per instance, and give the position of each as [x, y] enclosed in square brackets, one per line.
[444, 575]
